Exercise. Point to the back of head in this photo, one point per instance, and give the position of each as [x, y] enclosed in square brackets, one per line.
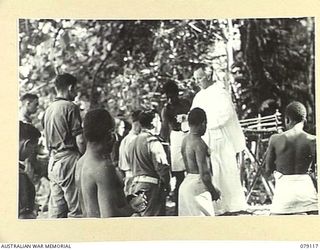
[296, 112]
[196, 117]
[135, 115]
[62, 82]
[170, 87]
[146, 118]
[28, 97]
[98, 125]
[28, 132]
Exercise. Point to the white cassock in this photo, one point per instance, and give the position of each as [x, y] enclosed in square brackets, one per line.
[224, 138]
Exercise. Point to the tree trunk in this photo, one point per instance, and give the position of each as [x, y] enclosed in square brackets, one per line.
[310, 79]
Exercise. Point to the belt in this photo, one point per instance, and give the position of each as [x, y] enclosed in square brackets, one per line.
[147, 179]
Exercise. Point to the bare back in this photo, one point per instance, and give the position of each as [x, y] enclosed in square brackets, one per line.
[193, 146]
[101, 190]
[291, 152]
[196, 159]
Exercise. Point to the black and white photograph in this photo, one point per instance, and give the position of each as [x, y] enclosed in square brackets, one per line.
[166, 117]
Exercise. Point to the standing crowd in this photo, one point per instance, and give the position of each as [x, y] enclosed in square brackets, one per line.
[197, 147]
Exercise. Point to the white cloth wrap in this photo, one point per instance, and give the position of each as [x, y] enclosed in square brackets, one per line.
[293, 194]
[194, 199]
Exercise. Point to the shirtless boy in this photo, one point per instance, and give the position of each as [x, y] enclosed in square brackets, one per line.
[290, 154]
[101, 190]
[196, 191]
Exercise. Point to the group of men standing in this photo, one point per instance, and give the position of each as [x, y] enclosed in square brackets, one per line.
[204, 137]
[223, 138]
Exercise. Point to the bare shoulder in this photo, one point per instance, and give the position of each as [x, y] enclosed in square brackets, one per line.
[96, 169]
[193, 142]
[311, 137]
[275, 137]
[200, 145]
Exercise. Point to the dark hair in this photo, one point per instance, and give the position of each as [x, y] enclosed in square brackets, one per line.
[97, 125]
[28, 97]
[296, 111]
[146, 118]
[28, 132]
[196, 116]
[62, 82]
[127, 125]
[135, 115]
[201, 66]
[170, 87]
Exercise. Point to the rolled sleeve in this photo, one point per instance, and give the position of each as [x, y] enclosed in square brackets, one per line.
[158, 152]
[159, 159]
[75, 121]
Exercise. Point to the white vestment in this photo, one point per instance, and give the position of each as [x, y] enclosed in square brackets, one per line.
[293, 194]
[177, 163]
[194, 198]
[224, 138]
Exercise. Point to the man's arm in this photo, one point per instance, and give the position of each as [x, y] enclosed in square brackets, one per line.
[81, 143]
[165, 129]
[204, 170]
[122, 163]
[313, 149]
[270, 157]
[75, 122]
[160, 162]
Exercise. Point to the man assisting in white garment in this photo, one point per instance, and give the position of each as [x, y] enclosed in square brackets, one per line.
[289, 155]
[196, 191]
[224, 138]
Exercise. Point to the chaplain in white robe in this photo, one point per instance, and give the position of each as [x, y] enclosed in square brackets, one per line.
[224, 138]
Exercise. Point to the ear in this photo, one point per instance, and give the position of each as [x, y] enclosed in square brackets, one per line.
[287, 120]
[26, 144]
[23, 148]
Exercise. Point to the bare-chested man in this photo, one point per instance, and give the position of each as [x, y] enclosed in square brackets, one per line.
[290, 155]
[196, 191]
[173, 115]
[101, 190]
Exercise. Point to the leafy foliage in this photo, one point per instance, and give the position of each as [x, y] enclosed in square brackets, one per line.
[276, 64]
[122, 64]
